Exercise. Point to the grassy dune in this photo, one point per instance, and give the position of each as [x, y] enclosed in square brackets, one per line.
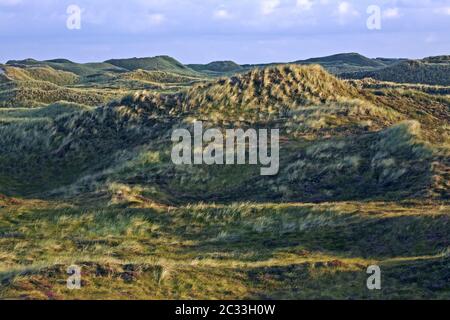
[364, 179]
[425, 71]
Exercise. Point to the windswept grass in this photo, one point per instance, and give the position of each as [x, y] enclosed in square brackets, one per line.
[364, 179]
[244, 250]
[41, 74]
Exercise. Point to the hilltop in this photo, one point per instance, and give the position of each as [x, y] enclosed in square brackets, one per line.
[80, 69]
[159, 63]
[431, 71]
[217, 67]
[343, 59]
[338, 63]
[36, 86]
[260, 93]
[39, 74]
[32, 83]
[114, 66]
[345, 62]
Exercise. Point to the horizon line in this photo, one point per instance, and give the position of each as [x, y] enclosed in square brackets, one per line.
[242, 64]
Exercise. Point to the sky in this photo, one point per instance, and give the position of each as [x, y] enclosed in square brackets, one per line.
[201, 31]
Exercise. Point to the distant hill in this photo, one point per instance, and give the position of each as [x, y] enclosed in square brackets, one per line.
[389, 61]
[39, 74]
[159, 63]
[217, 67]
[438, 59]
[432, 71]
[80, 69]
[354, 59]
[345, 62]
[336, 64]
[38, 84]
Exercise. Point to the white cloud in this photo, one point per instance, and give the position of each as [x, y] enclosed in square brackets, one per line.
[305, 5]
[222, 14]
[345, 12]
[269, 6]
[346, 9]
[443, 10]
[156, 18]
[391, 13]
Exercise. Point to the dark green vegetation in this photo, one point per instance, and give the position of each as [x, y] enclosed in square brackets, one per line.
[337, 64]
[68, 66]
[347, 62]
[432, 71]
[218, 68]
[86, 178]
[160, 63]
[285, 251]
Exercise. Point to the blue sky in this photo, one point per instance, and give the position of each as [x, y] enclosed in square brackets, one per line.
[199, 31]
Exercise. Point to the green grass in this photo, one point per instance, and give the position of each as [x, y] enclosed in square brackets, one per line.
[364, 179]
[41, 74]
[218, 68]
[159, 63]
[22, 94]
[79, 69]
[286, 251]
[50, 111]
[420, 71]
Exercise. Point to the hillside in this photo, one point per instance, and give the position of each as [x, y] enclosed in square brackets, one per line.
[344, 62]
[364, 179]
[343, 59]
[217, 67]
[438, 59]
[431, 71]
[32, 83]
[315, 111]
[33, 93]
[157, 76]
[40, 74]
[261, 93]
[159, 63]
[338, 63]
[79, 69]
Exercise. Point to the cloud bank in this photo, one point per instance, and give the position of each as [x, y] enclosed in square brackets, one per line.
[244, 30]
